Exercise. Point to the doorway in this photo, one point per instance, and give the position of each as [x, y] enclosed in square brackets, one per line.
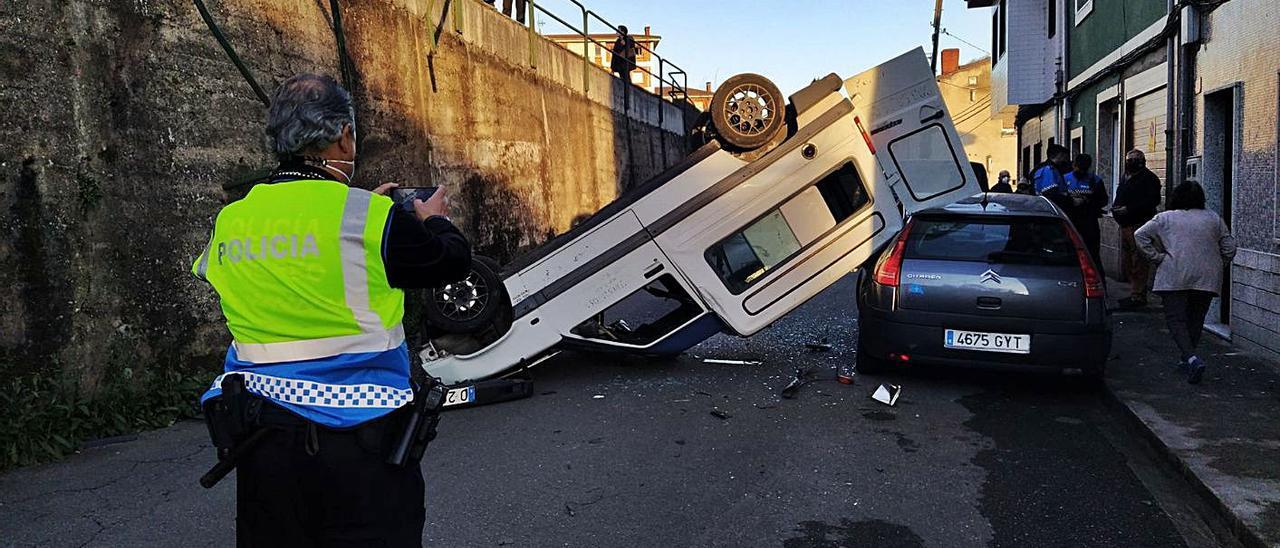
[1221, 155]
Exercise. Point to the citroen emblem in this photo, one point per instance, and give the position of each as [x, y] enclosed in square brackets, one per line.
[990, 276]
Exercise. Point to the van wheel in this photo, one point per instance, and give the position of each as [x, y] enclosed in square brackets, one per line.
[469, 305]
[747, 112]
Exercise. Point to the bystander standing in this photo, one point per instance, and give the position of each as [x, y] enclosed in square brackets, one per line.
[1189, 245]
[1137, 198]
[519, 5]
[624, 54]
[1002, 183]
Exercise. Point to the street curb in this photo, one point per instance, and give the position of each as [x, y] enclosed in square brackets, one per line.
[1242, 532]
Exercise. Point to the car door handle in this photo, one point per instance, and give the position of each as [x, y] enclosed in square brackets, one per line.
[989, 303]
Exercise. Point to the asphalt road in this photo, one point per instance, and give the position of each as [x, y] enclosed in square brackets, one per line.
[627, 452]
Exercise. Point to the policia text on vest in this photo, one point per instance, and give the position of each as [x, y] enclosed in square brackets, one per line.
[280, 246]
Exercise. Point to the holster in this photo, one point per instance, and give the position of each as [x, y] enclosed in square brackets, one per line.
[233, 416]
[420, 428]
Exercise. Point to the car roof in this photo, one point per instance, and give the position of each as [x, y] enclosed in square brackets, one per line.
[999, 204]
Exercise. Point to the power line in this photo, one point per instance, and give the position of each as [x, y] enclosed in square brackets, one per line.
[970, 109]
[970, 44]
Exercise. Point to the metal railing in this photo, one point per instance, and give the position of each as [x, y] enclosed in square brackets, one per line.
[670, 77]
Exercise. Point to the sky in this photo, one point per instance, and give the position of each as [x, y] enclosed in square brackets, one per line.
[790, 41]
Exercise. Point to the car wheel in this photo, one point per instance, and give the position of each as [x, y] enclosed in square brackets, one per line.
[747, 112]
[469, 305]
[868, 364]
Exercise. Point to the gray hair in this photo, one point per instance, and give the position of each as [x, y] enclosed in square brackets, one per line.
[307, 113]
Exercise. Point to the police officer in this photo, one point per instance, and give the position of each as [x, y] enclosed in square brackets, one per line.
[308, 271]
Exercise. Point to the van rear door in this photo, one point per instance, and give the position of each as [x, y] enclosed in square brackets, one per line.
[899, 110]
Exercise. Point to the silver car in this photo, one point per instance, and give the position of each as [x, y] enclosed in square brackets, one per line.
[995, 280]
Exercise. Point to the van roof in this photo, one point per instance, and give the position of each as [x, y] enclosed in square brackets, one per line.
[998, 204]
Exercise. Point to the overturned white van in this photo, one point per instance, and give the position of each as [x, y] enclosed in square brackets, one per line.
[783, 201]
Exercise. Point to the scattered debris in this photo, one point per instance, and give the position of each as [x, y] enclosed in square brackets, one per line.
[720, 414]
[679, 442]
[598, 397]
[548, 392]
[569, 510]
[823, 346]
[732, 362]
[800, 379]
[767, 406]
[887, 394]
[845, 373]
[701, 393]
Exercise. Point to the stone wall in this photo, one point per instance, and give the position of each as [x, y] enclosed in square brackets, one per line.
[123, 119]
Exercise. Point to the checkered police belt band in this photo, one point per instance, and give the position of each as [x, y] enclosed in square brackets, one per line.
[316, 394]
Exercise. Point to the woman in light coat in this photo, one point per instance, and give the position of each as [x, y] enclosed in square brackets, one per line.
[1190, 245]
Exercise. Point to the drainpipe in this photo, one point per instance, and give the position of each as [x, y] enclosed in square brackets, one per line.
[1064, 56]
[1173, 102]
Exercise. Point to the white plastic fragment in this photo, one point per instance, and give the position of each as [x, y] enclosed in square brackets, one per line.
[731, 362]
[887, 394]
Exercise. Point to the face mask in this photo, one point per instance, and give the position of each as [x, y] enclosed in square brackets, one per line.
[347, 176]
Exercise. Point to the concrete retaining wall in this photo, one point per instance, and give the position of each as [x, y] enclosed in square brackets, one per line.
[123, 120]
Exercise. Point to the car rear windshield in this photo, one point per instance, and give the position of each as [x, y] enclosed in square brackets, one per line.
[1005, 241]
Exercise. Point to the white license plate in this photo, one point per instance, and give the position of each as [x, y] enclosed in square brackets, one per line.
[459, 396]
[988, 342]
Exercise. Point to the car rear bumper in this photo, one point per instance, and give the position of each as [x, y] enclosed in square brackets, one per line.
[1085, 350]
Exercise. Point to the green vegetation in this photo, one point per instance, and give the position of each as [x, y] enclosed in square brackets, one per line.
[46, 418]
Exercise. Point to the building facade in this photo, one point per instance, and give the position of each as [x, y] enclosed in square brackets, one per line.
[966, 90]
[1195, 86]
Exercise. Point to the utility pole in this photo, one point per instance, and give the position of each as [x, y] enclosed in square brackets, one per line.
[937, 27]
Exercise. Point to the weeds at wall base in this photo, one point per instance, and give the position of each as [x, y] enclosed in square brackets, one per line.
[45, 418]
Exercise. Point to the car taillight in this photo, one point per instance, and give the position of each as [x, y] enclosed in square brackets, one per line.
[889, 269]
[1093, 286]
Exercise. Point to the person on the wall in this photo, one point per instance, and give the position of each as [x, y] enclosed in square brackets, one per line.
[519, 5]
[1137, 198]
[624, 55]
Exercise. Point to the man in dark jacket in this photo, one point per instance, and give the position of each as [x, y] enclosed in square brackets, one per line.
[1137, 198]
[624, 54]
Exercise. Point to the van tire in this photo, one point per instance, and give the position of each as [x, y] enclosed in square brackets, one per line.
[482, 287]
[747, 112]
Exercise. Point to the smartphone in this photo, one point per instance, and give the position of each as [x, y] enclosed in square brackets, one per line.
[405, 195]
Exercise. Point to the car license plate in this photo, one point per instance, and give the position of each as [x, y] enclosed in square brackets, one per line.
[988, 342]
[459, 396]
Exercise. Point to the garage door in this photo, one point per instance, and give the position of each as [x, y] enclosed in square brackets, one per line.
[1146, 122]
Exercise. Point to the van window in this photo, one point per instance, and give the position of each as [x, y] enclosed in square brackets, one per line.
[645, 316]
[843, 191]
[745, 256]
[926, 163]
[1005, 241]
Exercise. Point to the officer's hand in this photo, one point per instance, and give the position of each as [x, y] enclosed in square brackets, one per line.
[385, 188]
[437, 204]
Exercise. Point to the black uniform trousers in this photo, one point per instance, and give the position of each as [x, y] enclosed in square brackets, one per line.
[309, 486]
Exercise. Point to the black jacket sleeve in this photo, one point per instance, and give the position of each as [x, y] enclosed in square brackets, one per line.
[429, 253]
[1098, 198]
